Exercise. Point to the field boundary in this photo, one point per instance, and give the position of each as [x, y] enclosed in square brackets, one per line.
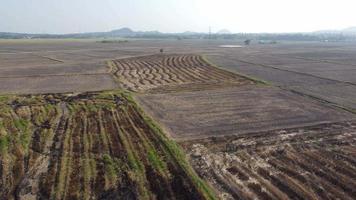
[174, 149]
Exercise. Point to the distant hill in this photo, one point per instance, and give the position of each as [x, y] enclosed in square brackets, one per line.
[122, 32]
[346, 31]
[348, 34]
[350, 30]
[224, 31]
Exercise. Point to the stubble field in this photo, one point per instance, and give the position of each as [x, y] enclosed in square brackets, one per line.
[291, 139]
[88, 146]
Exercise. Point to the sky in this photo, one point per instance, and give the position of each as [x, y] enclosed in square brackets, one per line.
[252, 16]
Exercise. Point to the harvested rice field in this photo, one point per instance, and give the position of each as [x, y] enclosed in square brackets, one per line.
[314, 162]
[234, 111]
[89, 146]
[161, 71]
[88, 120]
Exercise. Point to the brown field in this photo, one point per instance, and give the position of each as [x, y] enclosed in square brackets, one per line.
[23, 59]
[88, 146]
[316, 162]
[160, 71]
[56, 83]
[233, 111]
[291, 139]
[252, 141]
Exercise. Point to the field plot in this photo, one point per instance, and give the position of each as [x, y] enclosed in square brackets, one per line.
[58, 69]
[189, 115]
[315, 162]
[159, 71]
[23, 59]
[56, 84]
[248, 140]
[88, 146]
[323, 70]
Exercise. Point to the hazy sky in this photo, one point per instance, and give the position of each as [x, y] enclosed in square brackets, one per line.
[67, 16]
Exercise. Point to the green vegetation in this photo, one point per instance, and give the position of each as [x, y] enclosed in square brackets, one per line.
[4, 99]
[157, 162]
[24, 133]
[4, 144]
[21, 125]
[111, 167]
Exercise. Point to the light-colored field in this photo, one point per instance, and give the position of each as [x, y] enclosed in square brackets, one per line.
[234, 111]
[56, 84]
[286, 140]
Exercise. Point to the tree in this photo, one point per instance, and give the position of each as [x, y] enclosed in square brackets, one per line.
[247, 42]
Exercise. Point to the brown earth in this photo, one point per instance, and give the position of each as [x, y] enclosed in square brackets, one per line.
[88, 146]
[100, 146]
[234, 111]
[158, 72]
[253, 141]
[57, 83]
[316, 162]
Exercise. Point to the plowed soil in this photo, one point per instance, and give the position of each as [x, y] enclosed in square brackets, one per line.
[171, 72]
[254, 141]
[87, 146]
[248, 140]
[238, 110]
[315, 162]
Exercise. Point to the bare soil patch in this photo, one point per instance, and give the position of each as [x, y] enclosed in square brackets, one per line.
[23, 59]
[238, 110]
[57, 84]
[315, 162]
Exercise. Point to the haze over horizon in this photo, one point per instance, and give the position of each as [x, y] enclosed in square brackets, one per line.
[66, 16]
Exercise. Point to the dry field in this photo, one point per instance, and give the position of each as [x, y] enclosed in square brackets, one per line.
[161, 71]
[57, 84]
[326, 71]
[238, 110]
[88, 146]
[251, 141]
[246, 139]
[23, 59]
[316, 162]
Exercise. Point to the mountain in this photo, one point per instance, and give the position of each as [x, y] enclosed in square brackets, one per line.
[122, 32]
[350, 30]
[346, 31]
[323, 35]
[223, 31]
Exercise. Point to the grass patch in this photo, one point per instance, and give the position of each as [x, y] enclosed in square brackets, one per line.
[4, 144]
[156, 162]
[110, 167]
[21, 124]
[91, 107]
[4, 99]
[134, 163]
[24, 136]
